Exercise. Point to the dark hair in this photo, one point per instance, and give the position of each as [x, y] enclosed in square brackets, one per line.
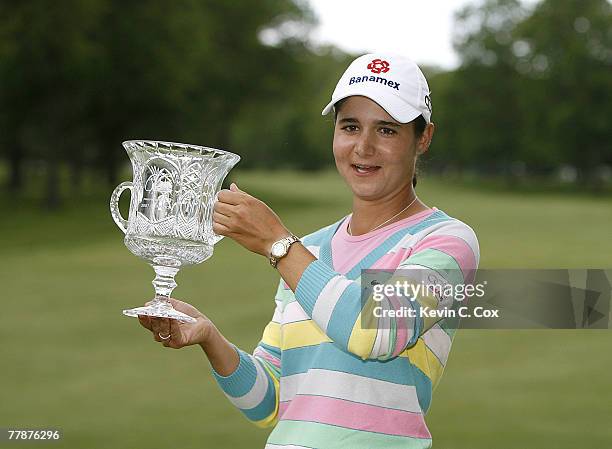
[419, 125]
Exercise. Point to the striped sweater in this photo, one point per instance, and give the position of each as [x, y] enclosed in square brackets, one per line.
[321, 377]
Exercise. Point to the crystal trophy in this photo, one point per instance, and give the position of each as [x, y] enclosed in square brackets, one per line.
[173, 193]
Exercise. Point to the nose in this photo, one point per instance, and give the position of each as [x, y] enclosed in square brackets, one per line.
[364, 146]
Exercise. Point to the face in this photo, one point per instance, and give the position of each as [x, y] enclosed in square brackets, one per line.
[374, 153]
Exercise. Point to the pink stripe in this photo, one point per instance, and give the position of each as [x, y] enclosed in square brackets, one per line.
[454, 247]
[282, 408]
[267, 356]
[353, 415]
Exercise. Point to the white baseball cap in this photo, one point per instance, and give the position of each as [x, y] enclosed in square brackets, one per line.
[394, 82]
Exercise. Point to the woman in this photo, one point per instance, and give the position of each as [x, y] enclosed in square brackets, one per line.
[328, 373]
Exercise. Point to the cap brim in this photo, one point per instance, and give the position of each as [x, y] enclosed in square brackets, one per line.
[392, 104]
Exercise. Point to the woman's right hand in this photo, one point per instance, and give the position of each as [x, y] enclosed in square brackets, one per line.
[181, 334]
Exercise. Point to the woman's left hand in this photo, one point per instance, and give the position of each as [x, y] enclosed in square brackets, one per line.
[247, 220]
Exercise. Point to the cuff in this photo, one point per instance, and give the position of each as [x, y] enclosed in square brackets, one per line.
[313, 280]
[241, 380]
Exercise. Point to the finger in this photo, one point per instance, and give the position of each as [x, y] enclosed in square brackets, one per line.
[156, 328]
[229, 197]
[145, 321]
[185, 308]
[224, 208]
[175, 333]
[234, 187]
[221, 229]
[221, 219]
[164, 330]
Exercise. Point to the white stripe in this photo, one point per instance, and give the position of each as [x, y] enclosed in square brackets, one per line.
[350, 387]
[411, 239]
[327, 300]
[289, 386]
[256, 394]
[439, 342]
[278, 316]
[294, 312]
[314, 250]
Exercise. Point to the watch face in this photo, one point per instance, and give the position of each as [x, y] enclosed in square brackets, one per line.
[278, 249]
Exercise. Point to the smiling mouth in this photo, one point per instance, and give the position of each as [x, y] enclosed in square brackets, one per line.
[364, 169]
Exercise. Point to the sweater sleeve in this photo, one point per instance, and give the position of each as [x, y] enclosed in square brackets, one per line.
[335, 304]
[254, 386]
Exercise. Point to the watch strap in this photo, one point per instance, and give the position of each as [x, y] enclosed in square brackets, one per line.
[288, 241]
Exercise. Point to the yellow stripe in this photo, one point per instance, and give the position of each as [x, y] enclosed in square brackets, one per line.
[272, 418]
[271, 334]
[425, 360]
[362, 340]
[302, 333]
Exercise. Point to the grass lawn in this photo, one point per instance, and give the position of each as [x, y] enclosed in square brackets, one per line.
[70, 359]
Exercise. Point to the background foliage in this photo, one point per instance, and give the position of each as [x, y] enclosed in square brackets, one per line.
[532, 97]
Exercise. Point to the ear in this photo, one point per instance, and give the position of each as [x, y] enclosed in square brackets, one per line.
[425, 139]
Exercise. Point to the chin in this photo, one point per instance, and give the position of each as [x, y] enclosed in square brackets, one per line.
[365, 194]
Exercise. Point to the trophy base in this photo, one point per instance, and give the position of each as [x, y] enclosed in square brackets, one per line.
[160, 310]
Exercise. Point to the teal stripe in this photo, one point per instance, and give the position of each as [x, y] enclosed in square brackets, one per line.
[435, 218]
[345, 315]
[325, 254]
[265, 407]
[314, 278]
[423, 387]
[276, 352]
[318, 237]
[328, 356]
[241, 380]
[316, 435]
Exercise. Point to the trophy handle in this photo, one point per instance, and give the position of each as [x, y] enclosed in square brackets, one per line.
[114, 205]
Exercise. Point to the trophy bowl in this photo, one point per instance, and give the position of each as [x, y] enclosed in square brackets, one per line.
[173, 192]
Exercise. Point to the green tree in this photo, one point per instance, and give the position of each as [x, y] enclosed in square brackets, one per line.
[45, 55]
[477, 105]
[79, 77]
[534, 86]
[567, 60]
[286, 128]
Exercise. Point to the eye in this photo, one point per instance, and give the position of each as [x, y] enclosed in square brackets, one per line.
[349, 128]
[387, 131]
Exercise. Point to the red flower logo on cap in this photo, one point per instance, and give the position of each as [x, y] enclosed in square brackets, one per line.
[378, 66]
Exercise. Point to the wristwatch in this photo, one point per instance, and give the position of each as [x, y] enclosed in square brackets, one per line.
[280, 249]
